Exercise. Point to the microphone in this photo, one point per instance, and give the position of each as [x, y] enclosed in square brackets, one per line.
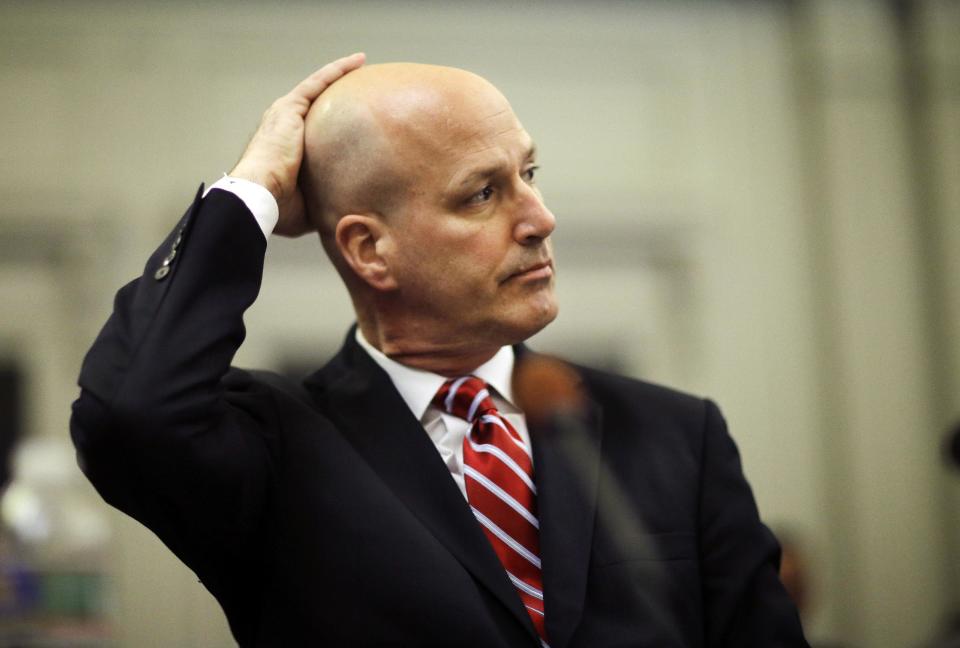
[547, 388]
[550, 392]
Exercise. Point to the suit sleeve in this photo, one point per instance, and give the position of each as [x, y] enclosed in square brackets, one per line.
[159, 429]
[745, 604]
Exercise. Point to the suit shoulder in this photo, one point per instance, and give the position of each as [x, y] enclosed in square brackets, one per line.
[642, 399]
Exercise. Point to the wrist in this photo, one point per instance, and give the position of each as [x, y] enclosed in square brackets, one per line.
[265, 180]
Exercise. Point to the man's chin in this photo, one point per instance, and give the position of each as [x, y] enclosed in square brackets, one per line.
[532, 323]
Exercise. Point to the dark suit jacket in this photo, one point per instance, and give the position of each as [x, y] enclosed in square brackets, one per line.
[325, 516]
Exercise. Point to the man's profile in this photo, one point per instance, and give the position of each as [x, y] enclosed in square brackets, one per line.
[403, 495]
[421, 181]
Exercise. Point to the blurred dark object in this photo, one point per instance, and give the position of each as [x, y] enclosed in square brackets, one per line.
[11, 415]
[952, 446]
[950, 637]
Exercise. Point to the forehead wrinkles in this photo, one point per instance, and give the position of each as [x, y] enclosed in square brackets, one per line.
[454, 132]
[488, 127]
[444, 116]
[435, 129]
[500, 139]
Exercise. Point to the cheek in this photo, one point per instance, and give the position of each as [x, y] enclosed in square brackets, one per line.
[487, 249]
[453, 256]
[443, 276]
[475, 259]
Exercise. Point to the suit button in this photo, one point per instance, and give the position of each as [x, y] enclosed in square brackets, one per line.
[161, 272]
[170, 257]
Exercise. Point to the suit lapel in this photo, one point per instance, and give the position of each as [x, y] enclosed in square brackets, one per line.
[566, 454]
[360, 398]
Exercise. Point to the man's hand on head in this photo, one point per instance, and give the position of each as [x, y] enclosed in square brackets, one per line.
[273, 156]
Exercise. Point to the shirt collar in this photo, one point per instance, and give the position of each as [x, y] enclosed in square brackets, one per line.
[417, 387]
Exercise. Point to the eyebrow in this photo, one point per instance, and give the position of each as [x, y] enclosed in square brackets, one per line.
[492, 169]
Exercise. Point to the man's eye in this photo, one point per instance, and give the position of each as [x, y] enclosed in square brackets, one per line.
[483, 195]
[529, 174]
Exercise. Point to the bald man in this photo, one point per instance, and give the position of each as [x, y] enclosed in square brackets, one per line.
[402, 496]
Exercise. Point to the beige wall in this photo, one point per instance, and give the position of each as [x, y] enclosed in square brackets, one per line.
[737, 218]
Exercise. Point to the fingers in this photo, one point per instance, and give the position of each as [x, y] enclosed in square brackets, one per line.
[311, 87]
[274, 154]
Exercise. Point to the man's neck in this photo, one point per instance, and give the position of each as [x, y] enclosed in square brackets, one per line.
[448, 360]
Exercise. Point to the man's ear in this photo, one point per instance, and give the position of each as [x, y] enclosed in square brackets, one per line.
[362, 240]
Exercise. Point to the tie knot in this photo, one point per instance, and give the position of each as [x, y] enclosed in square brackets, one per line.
[466, 397]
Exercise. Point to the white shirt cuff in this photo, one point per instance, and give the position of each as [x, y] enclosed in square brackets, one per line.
[257, 198]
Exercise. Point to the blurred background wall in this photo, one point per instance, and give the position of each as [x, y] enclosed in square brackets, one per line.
[757, 201]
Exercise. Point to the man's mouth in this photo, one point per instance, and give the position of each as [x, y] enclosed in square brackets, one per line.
[535, 272]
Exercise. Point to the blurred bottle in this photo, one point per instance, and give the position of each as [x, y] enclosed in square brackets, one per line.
[53, 553]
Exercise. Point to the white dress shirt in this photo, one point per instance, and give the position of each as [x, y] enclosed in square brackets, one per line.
[416, 387]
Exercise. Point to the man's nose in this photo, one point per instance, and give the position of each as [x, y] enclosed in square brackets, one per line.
[535, 222]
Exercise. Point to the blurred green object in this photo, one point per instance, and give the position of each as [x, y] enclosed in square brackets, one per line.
[78, 595]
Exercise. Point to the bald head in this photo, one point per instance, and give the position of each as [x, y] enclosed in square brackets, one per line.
[420, 180]
[371, 133]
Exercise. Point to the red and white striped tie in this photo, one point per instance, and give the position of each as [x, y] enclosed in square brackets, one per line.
[498, 474]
